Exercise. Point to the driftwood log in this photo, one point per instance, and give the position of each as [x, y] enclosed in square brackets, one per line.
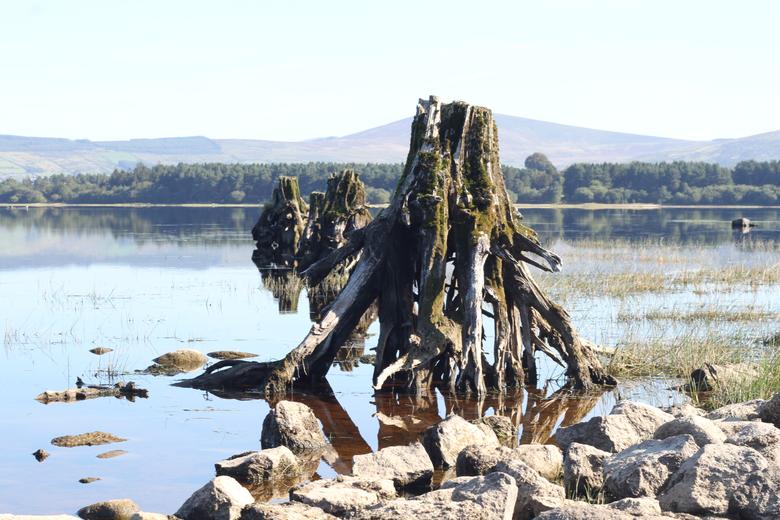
[445, 254]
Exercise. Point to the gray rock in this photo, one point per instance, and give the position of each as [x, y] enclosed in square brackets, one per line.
[546, 459]
[287, 511]
[502, 426]
[475, 498]
[480, 460]
[747, 411]
[612, 433]
[583, 470]
[259, 466]
[444, 441]
[704, 431]
[769, 411]
[762, 437]
[684, 410]
[222, 498]
[344, 496]
[407, 466]
[477, 459]
[645, 418]
[121, 509]
[705, 483]
[759, 497]
[292, 425]
[643, 470]
[151, 516]
[535, 494]
[626, 509]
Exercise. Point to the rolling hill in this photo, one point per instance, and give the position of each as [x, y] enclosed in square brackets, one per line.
[563, 144]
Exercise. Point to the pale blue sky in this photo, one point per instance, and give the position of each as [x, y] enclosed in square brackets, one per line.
[109, 69]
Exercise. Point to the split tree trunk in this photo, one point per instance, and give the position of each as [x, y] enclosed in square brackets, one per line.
[445, 253]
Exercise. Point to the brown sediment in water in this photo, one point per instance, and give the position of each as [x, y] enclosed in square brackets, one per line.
[86, 439]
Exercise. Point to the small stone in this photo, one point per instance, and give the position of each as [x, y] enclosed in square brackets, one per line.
[292, 425]
[40, 455]
[151, 516]
[444, 441]
[684, 410]
[121, 509]
[184, 360]
[544, 458]
[704, 431]
[259, 466]
[645, 418]
[476, 459]
[220, 499]
[86, 439]
[99, 351]
[88, 480]
[407, 466]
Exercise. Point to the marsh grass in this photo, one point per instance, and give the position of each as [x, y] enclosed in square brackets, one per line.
[704, 315]
[763, 386]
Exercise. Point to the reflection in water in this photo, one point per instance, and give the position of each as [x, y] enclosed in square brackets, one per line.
[285, 287]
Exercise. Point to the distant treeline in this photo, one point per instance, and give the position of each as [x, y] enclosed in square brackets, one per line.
[749, 182]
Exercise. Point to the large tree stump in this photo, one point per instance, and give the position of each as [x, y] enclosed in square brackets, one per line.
[445, 253]
[280, 225]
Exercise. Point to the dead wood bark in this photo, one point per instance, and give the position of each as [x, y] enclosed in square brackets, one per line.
[280, 225]
[448, 243]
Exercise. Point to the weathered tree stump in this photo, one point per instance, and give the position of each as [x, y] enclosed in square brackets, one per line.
[280, 226]
[447, 251]
[333, 216]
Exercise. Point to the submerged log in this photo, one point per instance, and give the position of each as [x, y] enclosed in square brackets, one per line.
[447, 251]
[127, 391]
[280, 226]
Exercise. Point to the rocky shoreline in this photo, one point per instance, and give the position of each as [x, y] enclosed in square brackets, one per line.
[637, 462]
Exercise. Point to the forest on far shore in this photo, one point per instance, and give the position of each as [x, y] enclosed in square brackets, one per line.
[678, 182]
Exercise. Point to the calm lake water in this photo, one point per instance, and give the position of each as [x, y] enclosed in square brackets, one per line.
[145, 281]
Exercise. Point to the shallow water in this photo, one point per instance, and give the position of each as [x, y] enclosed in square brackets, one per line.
[145, 281]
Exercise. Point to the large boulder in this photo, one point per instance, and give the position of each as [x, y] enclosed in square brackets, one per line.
[480, 460]
[222, 498]
[344, 496]
[121, 509]
[286, 511]
[535, 493]
[643, 470]
[703, 430]
[747, 411]
[645, 418]
[583, 469]
[444, 441]
[259, 466]
[762, 437]
[706, 482]
[407, 466]
[684, 410]
[612, 433]
[292, 425]
[491, 497]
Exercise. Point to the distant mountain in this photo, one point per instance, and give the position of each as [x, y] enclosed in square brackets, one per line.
[563, 144]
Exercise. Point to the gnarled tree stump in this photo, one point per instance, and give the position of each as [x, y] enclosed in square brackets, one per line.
[280, 225]
[445, 253]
